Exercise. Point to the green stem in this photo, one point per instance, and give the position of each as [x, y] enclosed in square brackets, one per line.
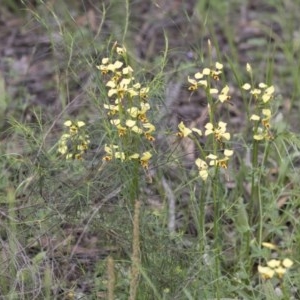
[126, 20]
[217, 232]
[201, 223]
[260, 207]
[254, 201]
[216, 200]
[134, 184]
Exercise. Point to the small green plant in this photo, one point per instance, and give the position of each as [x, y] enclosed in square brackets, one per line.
[127, 110]
[73, 144]
[127, 205]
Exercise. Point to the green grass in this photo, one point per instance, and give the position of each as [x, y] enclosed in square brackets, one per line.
[67, 225]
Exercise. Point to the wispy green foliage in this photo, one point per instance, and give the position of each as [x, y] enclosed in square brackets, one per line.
[121, 194]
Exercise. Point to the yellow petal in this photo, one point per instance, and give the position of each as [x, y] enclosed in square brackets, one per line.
[65, 137]
[68, 123]
[130, 123]
[203, 174]
[202, 83]
[255, 92]
[127, 70]
[255, 118]
[246, 86]
[137, 85]
[222, 125]
[209, 126]
[287, 263]
[111, 92]
[146, 156]
[118, 64]
[212, 156]
[134, 156]
[136, 129]
[125, 82]
[62, 149]
[80, 123]
[262, 85]
[107, 149]
[258, 137]
[105, 60]
[219, 66]
[248, 68]
[266, 272]
[280, 271]
[225, 90]
[132, 92]
[201, 164]
[111, 84]
[213, 91]
[111, 67]
[269, 246]
[192, 81]
[197, 130]
[121, 50]
[133, 111]
[226, 136]
[69, 156]
[270, 90]
[266, 97]
[273, 263]
[120, 155]
[198, 75]
[145, 159]
[145, 107]
[228, 152]
[266, 112]
[213, 163]
[115, 122]
[149, 126]
[223, 98]
[184, 130]
[206, 71]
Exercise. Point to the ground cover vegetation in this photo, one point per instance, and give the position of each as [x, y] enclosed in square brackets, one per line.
[149, 150]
